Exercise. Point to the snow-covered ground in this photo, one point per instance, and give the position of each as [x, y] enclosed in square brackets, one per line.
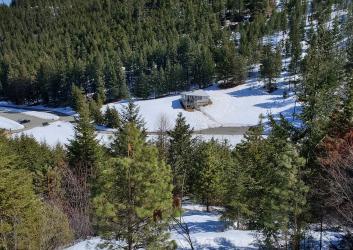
[61, 110]
[38, 114]
[9, 124]
[233, 107]
[59, 132]
[208, 232]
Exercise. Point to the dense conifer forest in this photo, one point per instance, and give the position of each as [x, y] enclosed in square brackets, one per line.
[85, 53]
[146, 48]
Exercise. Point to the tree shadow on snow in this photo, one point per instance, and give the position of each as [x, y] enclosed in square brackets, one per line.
[223, 244]
[275, 104]
[206, 226]
[249, 91]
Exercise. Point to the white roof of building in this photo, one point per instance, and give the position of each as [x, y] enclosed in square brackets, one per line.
[198, 92]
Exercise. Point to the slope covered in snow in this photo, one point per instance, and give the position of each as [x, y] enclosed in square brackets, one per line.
[9, 124]
[208, 232]
[38, 114]
[238, 106]
[59, 132]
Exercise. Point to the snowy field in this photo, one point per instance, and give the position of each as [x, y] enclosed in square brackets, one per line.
[59, 132]
[233, 107]
[9, 124]
[38, 114]
[207, 232]
[61, 110]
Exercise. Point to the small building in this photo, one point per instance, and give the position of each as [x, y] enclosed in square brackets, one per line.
[195, 99]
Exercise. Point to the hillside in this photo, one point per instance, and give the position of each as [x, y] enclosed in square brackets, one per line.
[97, 151]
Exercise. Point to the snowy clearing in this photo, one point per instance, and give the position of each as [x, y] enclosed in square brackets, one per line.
[9, 124]
[238, 106]
[209, 233]
[60, 132]
[41, 115]
[60, 110]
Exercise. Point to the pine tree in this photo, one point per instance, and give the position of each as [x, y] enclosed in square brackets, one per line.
[226, 65]
[203, 68]
[83, 149]
[295, 36]
[142, 88]
[19, 206]
[349, 35]
[231, 67]
[131, 114]
[211, 164]
[271, 66]
[84, 154]
[95, 112]
[100, 96]
[136, 198]
[112, 118]
[24, 217]
[78, 98]
[116, 81]
[272, 173]
[179, 152]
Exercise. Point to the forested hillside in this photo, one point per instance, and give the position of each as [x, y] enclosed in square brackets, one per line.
[148, 47]
[291, 175]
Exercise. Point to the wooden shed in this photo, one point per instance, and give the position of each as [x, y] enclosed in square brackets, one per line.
[195, 99]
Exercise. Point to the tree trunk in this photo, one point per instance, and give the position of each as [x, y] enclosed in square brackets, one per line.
[320, 233]
[296, 238]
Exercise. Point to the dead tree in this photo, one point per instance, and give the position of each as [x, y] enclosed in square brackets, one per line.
[337, 161]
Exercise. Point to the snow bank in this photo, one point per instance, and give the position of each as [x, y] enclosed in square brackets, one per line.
[9, 124]
[41, 115]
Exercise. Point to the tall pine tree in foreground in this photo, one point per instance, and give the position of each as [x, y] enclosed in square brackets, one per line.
[179, 153]
[136, 198]
[273, 197]
[212, 161]
[27, 221]
[84, 154]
